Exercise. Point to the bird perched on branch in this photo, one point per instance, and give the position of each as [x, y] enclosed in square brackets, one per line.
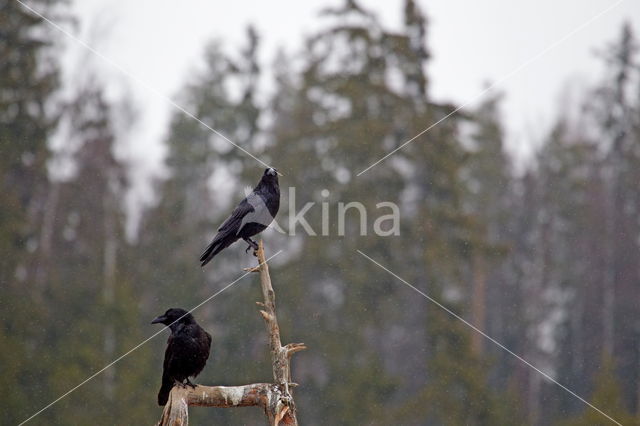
[187, 350]
[252, 216]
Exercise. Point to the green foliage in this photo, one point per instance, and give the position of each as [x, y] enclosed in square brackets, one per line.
[78, 293]
[456, 391]
[29, 79]
[606, 396]
[329, 125]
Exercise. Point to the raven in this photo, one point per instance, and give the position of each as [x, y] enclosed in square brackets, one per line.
[249, 218]
[187, 350]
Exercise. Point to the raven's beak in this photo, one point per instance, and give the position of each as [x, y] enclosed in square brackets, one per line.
[273, 172]
[161, 319]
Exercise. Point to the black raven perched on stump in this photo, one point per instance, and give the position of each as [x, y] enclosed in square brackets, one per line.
[249, 218]
[187, 350]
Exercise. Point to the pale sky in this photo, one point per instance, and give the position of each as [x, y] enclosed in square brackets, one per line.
[472, 42]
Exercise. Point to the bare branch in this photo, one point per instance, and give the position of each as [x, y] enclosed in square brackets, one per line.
[274, 398]
[176, 411]
[284, 413]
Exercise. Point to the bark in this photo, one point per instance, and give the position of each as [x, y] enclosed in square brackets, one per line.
[46, 235]
[284, 413]
[109, 280]
[176, 411]
[478, 303]
[275, 399]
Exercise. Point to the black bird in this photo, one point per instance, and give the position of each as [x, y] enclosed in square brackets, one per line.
[187, 350]
[249, 218]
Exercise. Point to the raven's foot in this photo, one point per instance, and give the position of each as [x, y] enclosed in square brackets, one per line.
[188, 383]
[252, 245]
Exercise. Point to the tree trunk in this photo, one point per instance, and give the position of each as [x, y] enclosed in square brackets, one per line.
[479, 300]
[274, 398]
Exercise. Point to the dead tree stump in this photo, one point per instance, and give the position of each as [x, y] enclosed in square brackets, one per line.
[275, 398]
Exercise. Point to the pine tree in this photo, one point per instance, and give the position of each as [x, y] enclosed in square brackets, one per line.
[29, 80]
[92, 314]
[363, 91]
[615, 107]
[596, 256]
[487, 175]
[572, 256]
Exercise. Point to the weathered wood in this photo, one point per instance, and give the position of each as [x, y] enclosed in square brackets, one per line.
[176, 411]
[284, 410]
[275, 399]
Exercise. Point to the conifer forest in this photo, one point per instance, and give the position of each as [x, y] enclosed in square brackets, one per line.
[434, 278]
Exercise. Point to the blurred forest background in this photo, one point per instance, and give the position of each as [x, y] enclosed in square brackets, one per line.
[545, 260]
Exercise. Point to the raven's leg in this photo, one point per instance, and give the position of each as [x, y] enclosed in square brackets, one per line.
[188, 383]
[252, 244]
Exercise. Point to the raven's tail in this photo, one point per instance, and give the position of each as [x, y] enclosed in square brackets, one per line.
[165, 389]
[216, 246]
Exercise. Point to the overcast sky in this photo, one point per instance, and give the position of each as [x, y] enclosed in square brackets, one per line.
[472, 42]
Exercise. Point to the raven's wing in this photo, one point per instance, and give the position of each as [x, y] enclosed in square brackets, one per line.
[260, 213]
[208, 343]
[233, 222]
[182, 351]
[167, 373]
[167, 355]
[228, 231]
[171, 356]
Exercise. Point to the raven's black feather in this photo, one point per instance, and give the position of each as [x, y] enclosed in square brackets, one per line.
[187, 350]
[249, 218]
